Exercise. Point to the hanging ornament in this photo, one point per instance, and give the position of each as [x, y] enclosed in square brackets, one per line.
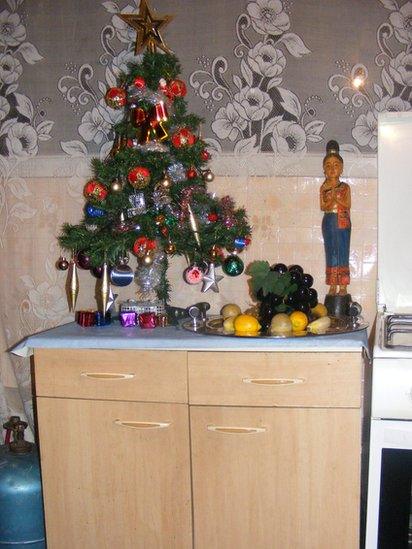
[154, 128]
[103, 289]
[122, 274]
[240, 243]
[95, 190]
[205, 155]
[164, 183]
[191, 173]
[91, 227]
[138, 116]
[92, 211]
[62, 264]
[142, 245]
[122, 226]
[83, 260]
[72, 285]
[208, 176]
[170, 248]
[193, 274]
[159, 220]
[194, 224]
[116, 186]
[138, 204]
[175, 88]
[176, 172]
[97, 272]
[211, 279]
[139, 82]
[183, 138]
[229, 222]
[233, 265]
[147, 259]
[212, 217]
[116, 97]
[139, 177]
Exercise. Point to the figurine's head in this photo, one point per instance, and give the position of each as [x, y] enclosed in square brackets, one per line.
[333, 162]
[332, 150]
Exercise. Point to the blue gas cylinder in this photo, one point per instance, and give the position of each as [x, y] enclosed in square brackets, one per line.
[21, 503]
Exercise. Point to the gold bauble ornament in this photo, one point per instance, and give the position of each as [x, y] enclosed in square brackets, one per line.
[147, 259]
[208, 176]
[159, 220]
[116, 186]
[170, 248]
[166, 182]
[213, 253]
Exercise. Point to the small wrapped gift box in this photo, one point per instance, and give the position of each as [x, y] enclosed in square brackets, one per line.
[148, 320]
[128, 319]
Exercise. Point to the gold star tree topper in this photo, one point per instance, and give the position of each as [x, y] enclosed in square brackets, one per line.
[147, 26]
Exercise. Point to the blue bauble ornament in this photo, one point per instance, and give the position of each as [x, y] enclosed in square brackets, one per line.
[92, 211]
[240, 243]
[233, 265]
[121, 275]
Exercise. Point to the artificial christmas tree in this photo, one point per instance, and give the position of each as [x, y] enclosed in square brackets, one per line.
[149, 197]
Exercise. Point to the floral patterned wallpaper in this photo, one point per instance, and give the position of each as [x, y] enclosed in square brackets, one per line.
[270, 76]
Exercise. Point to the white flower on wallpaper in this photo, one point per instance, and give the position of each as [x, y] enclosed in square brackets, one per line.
[22, 124]
[97, 119]
[394, 93]
[258, 113]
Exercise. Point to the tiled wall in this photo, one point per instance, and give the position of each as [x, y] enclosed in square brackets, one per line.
[286, 220]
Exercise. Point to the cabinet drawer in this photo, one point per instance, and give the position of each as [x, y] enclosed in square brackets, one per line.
[275, 379]
[151, 376]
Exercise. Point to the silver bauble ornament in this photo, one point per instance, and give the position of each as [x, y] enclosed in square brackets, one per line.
[208, 176]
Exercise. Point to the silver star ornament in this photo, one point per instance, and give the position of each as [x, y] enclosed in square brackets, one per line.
[211, 279]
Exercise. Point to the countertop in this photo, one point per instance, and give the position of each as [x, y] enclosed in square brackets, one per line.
[114, 336]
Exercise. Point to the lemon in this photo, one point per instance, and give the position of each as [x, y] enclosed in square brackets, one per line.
[319, 311]
[246, 325]
[280, 324]
[299, 321]
[230, 310]
[228, 326]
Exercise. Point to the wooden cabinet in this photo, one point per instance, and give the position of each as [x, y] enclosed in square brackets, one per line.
[261, 449]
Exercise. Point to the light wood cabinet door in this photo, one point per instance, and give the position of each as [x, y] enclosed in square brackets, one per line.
[115, 474]
[275, 478]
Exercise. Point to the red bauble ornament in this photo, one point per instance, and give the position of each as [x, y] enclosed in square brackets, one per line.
[139, 177]
[212, 217]
[62, 264]
[143, 245]
[176, 88]
[95, 190]
[205, 155]
[191, 173]
[183, 138]
[139, 82]
[116, 97]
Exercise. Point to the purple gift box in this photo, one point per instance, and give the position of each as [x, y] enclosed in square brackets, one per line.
[128, 319]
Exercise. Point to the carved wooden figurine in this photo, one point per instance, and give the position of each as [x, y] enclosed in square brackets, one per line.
[335, 202]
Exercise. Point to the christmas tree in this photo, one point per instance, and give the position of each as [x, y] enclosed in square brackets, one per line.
[149, 197]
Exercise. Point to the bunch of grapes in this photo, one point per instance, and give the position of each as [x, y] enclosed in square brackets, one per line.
[304, 298]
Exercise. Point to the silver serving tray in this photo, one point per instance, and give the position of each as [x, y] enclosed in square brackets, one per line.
[214, 326]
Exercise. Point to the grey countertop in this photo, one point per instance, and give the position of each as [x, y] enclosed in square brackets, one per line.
[114, 336]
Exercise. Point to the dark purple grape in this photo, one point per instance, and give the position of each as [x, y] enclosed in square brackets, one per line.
[295, 268]
[279, 268]
[276, 299]
[313, 303]
[307, 280]
[313, 294]
[289, 300]
[295, 277]
[304, 307]
[303, 294]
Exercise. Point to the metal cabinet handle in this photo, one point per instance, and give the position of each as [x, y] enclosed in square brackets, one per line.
[142, 424]
[273, 381]
[106, 375]
[235, 430]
